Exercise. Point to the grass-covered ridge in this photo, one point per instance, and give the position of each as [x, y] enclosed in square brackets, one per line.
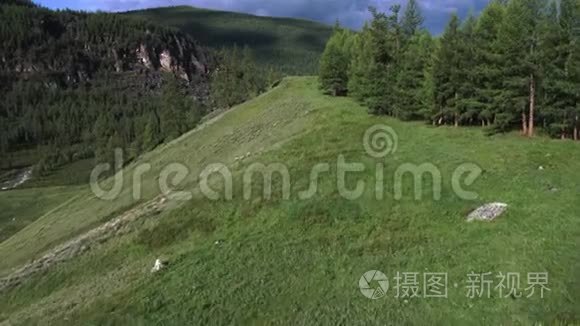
[299, 262]
[252, 127]
[291, 45]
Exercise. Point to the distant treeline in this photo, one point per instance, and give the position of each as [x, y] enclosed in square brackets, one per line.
[293, 46]
[517, 65]
[91, 120]
[238, 77]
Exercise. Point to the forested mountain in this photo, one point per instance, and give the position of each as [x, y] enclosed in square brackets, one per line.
[517, 65]
[77, 85]
[79, 44]
[292, 46]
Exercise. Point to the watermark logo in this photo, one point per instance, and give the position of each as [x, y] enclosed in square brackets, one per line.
[373, 284]
[380, 141]
[435, 285]
[418, 181]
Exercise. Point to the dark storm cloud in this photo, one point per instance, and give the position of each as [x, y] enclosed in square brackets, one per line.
[352, 13]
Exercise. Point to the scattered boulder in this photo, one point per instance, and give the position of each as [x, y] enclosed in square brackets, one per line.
[159, 265]
[541, 168]
[487, 212]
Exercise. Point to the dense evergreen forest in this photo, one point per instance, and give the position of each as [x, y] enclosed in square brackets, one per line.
[76, 85]
[516, 65]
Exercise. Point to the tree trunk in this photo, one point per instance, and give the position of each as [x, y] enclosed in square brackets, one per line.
[576, 128]
[456, 115]
[532, 106]
[524, 124]
[483, 123]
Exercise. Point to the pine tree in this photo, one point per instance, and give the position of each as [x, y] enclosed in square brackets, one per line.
[573, 66]
[361, 63]
[114, 143]
[396, 37]
[253, 80]
[554, 50]
[411, 61]
[151, 133]
[334, 64]
[3, 138]
[447, 74]
[518, 44]
[467, 106]
[559, 61]
[173, 112]
[101, 133]
[415, 63]
[412, 19]
[273, 76]
[488, 64]
[382, 72]
[427, 92]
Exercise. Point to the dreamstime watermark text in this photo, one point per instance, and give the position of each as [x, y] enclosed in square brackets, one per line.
[216, 180]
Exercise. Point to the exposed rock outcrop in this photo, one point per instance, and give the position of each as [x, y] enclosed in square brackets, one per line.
[487, 212]
[72, 48]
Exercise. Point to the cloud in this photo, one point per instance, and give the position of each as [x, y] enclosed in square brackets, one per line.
[351, 13]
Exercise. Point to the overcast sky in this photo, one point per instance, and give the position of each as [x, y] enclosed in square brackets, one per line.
[352, 13]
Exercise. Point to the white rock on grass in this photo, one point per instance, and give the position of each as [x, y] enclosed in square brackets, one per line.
[159, 265]
[487, 212]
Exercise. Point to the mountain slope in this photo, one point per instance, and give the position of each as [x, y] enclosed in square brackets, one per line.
[253, 127]
[291, 45]
[278, 261]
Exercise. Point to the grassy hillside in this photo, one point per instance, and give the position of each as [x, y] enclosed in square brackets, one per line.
[292, 45]
[22, 207]
[248, 128]
[298, 261]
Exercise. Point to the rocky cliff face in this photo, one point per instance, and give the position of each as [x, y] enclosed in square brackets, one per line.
[83, 84]
[179, 57]
[71, 47]
[183, 58]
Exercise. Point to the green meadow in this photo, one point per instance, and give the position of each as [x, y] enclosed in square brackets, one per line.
[299, 261]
